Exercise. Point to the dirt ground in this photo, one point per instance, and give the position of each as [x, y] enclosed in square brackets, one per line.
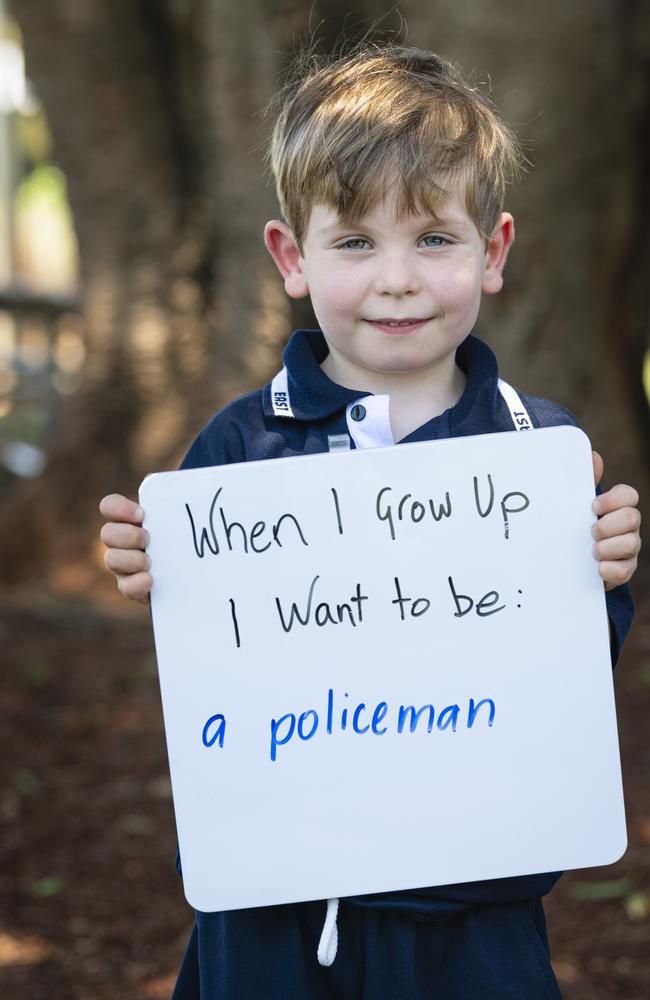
[91, 907]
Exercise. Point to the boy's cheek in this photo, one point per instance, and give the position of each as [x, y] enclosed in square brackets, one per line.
[337, 301]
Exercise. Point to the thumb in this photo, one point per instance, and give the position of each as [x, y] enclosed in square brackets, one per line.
[599, 467]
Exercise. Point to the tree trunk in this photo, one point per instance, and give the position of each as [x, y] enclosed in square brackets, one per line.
[152, 109]
[570, 322]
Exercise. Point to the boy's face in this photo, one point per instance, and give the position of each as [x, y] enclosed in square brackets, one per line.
[393, 295]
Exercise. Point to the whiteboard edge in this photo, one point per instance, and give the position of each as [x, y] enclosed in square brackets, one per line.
[346, 456]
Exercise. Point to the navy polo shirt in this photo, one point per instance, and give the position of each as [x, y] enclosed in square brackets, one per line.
[475, 940]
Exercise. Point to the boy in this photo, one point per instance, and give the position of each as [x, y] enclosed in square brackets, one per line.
[390, 173]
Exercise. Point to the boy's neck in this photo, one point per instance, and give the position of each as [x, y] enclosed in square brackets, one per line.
[415, 396]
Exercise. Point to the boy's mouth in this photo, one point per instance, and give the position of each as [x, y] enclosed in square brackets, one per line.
[392, 325]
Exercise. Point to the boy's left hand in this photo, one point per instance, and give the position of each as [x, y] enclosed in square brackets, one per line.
[616, 531]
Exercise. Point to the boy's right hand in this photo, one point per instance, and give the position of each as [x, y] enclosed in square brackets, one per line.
[125, 540]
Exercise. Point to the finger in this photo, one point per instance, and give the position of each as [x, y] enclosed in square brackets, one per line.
[620, 522]
[620, 547]
[618, 496]
[135, 586]
[616, 573]
[126, 561]
[124, 536]
[115, 507]
[599, 467]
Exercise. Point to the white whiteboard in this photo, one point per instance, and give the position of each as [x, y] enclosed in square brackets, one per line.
[299, 770]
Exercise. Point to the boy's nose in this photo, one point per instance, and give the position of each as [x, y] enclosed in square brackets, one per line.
[396, 277]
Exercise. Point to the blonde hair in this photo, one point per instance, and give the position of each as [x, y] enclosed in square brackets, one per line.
[347, 128]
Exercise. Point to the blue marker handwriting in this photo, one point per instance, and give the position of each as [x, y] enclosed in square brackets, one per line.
[338, 715]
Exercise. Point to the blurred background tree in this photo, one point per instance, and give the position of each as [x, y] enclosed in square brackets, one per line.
[154, 110]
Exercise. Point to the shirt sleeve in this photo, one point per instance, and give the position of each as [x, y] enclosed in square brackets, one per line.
[620, 610]
[220, 442]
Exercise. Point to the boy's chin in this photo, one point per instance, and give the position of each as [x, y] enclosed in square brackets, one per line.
[411, 367]
[399, 363]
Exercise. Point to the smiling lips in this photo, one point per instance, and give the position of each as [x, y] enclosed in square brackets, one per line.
[398, 325]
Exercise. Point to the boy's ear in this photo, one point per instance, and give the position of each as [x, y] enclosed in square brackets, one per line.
[496, 253]
[283, 247]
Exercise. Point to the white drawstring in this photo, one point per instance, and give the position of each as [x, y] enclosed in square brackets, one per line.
[329, 939]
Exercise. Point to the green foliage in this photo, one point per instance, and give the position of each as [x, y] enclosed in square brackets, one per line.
[25, 423]
[594, 891]
[35, 675]
[33, 137]
[637, 906]
[27, 782]
[44, 185]
[51, 885]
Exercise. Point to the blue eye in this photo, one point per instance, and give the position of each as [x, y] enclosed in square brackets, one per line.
[355, 243]
[436, 241]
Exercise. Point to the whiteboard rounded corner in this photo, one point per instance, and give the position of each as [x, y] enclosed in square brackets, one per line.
[577, 433]
[199, 899]
[620, 846]
[146, 484]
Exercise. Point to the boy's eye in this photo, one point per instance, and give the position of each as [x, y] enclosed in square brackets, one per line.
[354, 243]
[434, 240]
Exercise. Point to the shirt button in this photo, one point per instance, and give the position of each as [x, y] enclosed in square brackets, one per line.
[358, 412]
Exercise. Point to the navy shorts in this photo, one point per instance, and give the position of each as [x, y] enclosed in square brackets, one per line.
[486, 952]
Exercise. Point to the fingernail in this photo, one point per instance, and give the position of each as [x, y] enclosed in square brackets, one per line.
[148, 563]
[146, 538]
[596, 506]
[139, 513]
